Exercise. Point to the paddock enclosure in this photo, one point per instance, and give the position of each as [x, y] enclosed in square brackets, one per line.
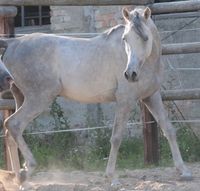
[151, 147]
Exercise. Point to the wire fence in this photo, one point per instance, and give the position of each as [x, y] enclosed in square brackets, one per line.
[129, 125]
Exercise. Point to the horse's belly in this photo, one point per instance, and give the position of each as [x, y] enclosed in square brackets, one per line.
[88, 97]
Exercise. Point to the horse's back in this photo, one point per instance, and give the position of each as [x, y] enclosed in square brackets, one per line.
[81, 66]
[32, 62]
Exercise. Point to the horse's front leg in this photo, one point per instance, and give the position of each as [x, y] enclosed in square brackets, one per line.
[155, 105]
[121, 118]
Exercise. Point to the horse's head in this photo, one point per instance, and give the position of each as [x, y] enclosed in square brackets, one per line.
[138, 40]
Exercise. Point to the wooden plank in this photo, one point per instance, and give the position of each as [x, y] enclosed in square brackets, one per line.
[11, 148]
[175, 7]
[8, 11]
[181, 48]
[7, 104]
[75, 2]
[9, 28]
[184, 94]
[1, 25]
[150, 133]
[157, 8]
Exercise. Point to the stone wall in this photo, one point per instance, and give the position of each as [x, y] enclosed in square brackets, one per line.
[70, 19]
[85, 19]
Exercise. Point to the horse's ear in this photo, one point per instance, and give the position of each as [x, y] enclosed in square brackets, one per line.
[147, 13]
[126, 14]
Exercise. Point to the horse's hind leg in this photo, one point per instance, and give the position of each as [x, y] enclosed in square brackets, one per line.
[16, 124]
[155, 105]
[17, 94]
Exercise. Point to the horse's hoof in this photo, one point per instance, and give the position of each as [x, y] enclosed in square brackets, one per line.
[186, 177]
[23, 175]
[116, 185]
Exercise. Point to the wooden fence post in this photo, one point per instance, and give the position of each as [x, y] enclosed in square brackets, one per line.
[11, 150]
[150, 133]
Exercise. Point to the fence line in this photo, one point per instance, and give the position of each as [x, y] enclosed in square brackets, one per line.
[103, 127]
[74, 2]
[167, 95]
[157, 8]
[181, 48]
[187, 69]
[89, 35]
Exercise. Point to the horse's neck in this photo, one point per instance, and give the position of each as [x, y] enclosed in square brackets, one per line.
[113, 34]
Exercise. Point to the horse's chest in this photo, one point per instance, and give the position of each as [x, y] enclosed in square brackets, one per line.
[148, 86]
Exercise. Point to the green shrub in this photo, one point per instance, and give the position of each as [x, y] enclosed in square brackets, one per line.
[2, 158]
[188, 144]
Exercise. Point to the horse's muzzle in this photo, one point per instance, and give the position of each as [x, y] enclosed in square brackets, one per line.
[131, 77]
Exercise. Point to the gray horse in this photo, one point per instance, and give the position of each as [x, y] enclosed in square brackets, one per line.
[122, 65]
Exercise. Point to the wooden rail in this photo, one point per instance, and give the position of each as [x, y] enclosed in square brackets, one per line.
[157, 8]
[185, 94]
[8, 11]
[75, 2]
[7, 104]
[181, 48]
[175, 7]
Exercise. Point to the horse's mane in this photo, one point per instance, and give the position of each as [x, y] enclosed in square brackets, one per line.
[112, 30]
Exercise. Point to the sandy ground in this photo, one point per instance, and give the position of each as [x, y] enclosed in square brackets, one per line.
[8, 181]
[154, 179]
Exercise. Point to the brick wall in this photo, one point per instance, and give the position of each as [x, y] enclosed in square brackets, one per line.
[85, 19]
[106, 17]
[68, 19]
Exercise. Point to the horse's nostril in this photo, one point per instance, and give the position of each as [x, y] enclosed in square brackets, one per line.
[133, 76]
[126, 75]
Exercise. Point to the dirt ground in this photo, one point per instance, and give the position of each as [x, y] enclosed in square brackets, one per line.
[8, 181]
[154, 179]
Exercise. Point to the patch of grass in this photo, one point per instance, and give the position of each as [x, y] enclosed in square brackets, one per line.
[131, 154]
[188, 144]
[2, 158]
